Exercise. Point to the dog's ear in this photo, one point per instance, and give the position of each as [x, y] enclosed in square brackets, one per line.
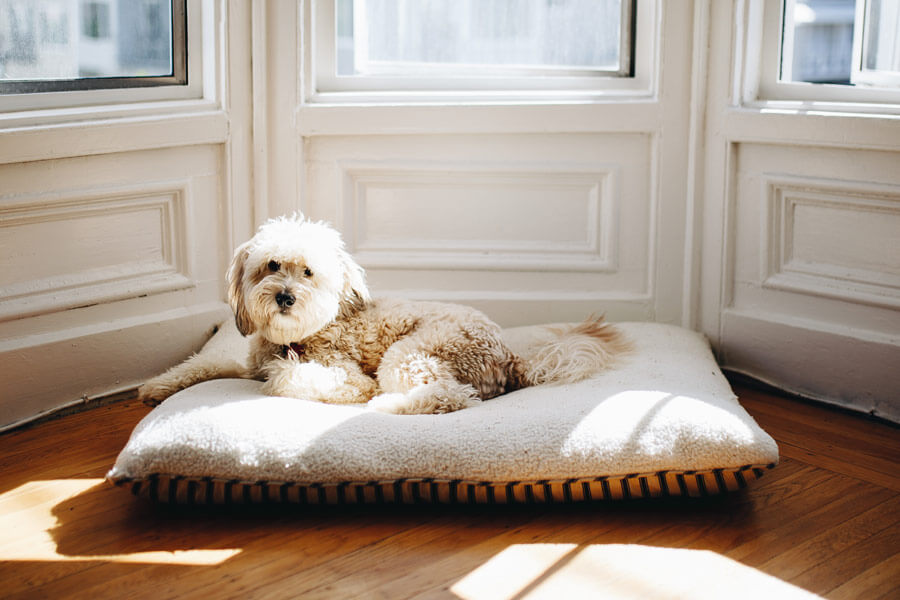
[355, 288]
[235, 279]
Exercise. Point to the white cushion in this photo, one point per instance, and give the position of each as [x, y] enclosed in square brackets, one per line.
[665, 412]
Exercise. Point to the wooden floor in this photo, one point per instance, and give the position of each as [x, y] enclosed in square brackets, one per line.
[826, 520]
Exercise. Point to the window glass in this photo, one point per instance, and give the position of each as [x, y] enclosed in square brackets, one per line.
[818, 41]
[881, 36]
[48, 45]
[845, 42]
[479, 37]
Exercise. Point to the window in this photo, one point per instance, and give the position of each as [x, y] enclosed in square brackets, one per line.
[474, 45]
[69, 45]
[877, 45]
[850, 50]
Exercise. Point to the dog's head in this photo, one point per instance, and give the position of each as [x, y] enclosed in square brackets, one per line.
[291, 279]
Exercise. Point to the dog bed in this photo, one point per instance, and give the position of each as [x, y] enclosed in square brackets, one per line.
[662, 422]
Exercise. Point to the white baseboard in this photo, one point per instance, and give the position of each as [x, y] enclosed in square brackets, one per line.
[46, 372]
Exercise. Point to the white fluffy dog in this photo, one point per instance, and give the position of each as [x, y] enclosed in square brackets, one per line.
[318, 335]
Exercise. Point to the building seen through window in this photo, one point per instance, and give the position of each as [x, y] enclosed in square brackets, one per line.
[71, 39]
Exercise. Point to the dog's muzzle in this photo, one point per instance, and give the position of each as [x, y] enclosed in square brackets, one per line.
[285, 299]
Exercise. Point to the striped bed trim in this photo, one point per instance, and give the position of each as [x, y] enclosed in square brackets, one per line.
[175, 489]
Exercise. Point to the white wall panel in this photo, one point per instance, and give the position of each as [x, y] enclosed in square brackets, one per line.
[78, 248]
[111, 269]
[813, 277]
[481, 217]
[495, 220]
[839, 239]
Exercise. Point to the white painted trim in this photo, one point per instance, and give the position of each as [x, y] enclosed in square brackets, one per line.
[141, 119]
[462, 118]
[328, 89]
[260, 100]
[101, 344]
[763, 26]
[233, 68]
[172, 199]
[110, 98]
[111, 349]
[694, 197]
[196, 88]
[598, 254]
[777, 271]
[106, 136]
[821, 370]
[792, 126]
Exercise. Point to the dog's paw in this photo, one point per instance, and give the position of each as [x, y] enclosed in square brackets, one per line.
[395, 404]
[154, 392]
[429, 399]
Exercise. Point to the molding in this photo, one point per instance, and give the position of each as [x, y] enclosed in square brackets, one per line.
[623, 116]
[780, 270]
[259, 71]
[127, 280]
[94, 360]
[62, 140]
[323, 88]
[728, 250]
[810, 357]
[696, 167]
[596, 253]
[808, 126]
[464, 296]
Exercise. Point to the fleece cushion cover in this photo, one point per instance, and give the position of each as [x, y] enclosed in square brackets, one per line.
[662, 422]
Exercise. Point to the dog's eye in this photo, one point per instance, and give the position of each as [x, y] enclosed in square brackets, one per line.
[274, 266]
[307, 272]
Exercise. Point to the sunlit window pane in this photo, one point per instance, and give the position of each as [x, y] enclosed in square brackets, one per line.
[818, 41]
[73, 39]
[819, 36]
[882, 36]
[453, 37]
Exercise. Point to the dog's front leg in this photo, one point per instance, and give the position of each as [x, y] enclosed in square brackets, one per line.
[197, 368]
[333, 381]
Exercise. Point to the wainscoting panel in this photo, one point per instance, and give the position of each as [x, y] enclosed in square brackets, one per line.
[509, 223]
[527, 218]
[812, 280]
[815, 244]
[80, 248]
[111, 270]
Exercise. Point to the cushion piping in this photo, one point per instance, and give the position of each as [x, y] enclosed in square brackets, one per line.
[177, 489]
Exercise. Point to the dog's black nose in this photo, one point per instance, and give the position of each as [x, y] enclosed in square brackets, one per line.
[285, 299]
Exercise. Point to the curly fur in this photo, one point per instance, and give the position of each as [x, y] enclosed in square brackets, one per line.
[318, 335]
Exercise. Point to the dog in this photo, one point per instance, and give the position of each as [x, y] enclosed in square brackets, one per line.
[317, 334]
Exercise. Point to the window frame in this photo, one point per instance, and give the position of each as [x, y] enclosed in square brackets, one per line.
[186, 82]
[762, 84]
[178, 76]
[860, 54]
[319, 57]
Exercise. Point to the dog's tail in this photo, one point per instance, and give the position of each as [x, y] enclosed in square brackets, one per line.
[574, 353]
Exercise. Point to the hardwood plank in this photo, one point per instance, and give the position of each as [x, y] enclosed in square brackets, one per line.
[470, 551]
[291, 539]
[881, 580]
[853, 445]
[816, 416]
[843, 467]
[803, 523]
[725, 531]
[826, 518]
[859, 557]
[834, 540]
[385, 560]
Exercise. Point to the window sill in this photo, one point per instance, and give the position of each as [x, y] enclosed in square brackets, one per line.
[815, 123]
[477, 114]
[61, 133]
